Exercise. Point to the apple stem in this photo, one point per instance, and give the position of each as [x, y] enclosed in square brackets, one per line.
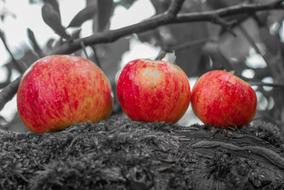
[162, 54]
[96, 57]
[84, 50]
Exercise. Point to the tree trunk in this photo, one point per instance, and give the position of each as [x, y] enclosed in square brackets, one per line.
[122, 154]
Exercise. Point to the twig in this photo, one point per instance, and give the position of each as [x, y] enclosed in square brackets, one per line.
[164, 19]
[154, 22]
[254, 45]
[227, 63]
[225, 24]
[218, 58]
[192, 43]
[84, 50]
[175, 7]
[169, 17]
[250, 40]
[7, 93]
[276, 85]
[229, 11]
[162, 54]
[20, 66]
[258, 83]
[96, 57]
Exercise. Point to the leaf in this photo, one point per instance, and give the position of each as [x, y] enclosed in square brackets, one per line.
[34, 43]
[52, 18]
[104, 12]
[55, 6]
[82, 16]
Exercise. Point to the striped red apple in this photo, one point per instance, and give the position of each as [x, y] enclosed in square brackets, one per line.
[61, 90]
[153, 91]
[222, 99]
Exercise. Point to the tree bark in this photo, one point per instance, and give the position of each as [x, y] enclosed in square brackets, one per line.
[122, 154]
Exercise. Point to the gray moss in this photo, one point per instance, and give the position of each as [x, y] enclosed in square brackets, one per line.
[122, 154]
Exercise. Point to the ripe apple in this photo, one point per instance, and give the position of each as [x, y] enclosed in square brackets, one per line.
[61, 90]
[221, 99]
[153, 91]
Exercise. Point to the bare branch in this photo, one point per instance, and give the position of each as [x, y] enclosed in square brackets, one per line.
[275, 85]
[251, 41]
[164, 19]
[162, 54]
[96, 57]
[170, 17]
[229, 11]
[20, 66]
[192, 43]
[225, 24]
[7, 93]
[84, 50]
[253, 44]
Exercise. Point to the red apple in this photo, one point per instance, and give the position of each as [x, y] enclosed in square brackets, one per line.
[61, 90]
[221, 99]
[153, 91]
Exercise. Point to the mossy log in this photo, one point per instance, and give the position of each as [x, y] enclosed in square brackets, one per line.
[122, 154]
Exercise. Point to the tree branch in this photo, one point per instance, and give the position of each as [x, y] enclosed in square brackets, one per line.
[165, 19]
[275, 85]
[20, 66]
[229, 11]
[96, 57]
[7, 93]
[169, 17]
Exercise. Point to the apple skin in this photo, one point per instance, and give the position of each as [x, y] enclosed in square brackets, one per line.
[61, 90]
[223, 100]
[153, 91]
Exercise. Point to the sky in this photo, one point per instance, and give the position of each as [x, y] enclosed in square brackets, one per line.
[29, 16]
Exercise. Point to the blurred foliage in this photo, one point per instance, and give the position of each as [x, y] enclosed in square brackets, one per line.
[82, 16]
[182, 38]
[198, 46]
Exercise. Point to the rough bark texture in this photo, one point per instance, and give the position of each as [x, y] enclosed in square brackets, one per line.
[122, 154]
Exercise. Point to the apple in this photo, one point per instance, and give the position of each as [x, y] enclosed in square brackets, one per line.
[61, 90]
[153, 91]
[222, 99]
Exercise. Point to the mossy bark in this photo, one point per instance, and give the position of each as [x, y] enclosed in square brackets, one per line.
[122, 154]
